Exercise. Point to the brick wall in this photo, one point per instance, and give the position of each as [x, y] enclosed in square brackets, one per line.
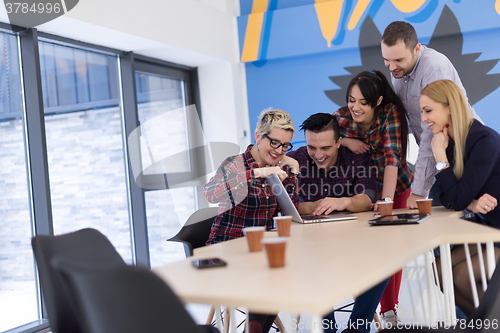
[87, 179]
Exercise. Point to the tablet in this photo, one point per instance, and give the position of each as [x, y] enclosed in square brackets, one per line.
[399, 219]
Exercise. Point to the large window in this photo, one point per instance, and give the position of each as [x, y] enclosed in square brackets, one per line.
[18, 296]
[83, 128]
[66, 114]
[166, 157]
[164, 149]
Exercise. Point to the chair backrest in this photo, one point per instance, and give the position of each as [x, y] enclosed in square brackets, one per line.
[126, 299]
[489, 307]
[83, 246]
[195, 232]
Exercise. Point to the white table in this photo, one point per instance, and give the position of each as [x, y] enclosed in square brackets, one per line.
[326, 264]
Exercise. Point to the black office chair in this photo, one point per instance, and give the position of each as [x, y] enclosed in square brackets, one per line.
[127, 299]
[195, 232]
[481, 320]
[83, 246]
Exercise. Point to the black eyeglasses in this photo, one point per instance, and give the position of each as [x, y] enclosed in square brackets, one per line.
[276, 144]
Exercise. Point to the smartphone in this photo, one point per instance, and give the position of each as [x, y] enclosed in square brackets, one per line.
[208, 263]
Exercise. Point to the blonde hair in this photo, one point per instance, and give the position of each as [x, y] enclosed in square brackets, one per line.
[449, 94]
[270, 119]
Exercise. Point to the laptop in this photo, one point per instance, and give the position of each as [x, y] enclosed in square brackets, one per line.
[288, 208]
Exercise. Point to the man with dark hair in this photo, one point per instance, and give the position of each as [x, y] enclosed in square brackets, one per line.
[332, 178]
[413, 66]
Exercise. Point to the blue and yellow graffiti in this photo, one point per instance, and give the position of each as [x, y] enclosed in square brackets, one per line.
[329, 15]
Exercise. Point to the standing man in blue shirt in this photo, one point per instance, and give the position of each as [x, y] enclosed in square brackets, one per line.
[413, 66]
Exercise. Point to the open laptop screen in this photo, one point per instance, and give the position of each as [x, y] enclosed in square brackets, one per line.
[288, 208]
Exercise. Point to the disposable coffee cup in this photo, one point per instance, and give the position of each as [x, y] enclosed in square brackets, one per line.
[275, 248]
[254, 236]
[385, 208]
[283, 224]
[424, 206]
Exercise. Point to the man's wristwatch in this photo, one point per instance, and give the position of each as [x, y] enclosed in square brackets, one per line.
[440, 166]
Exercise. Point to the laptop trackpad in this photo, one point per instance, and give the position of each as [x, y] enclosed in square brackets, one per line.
[327, 218]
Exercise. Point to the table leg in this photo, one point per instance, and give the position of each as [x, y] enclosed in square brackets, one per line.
[210, 315]
[446, 271]
[227, 320]
[232, 321]
[437, 295]
[472, 279]
[429, 258]
[316, 322]
[409, 274]
[218, 319]
[420, 289]
[294, 326]
[481, 266]
[490, 256]
[279, 324]
[247, 321]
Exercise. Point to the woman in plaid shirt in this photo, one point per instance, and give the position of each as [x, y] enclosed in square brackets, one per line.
[240, 188]
[374, 121]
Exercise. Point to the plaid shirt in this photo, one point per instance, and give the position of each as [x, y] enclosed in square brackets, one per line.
[384, 139]
[353, 174]
[244, 201]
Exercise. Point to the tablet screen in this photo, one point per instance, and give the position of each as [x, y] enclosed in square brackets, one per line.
[399, 219]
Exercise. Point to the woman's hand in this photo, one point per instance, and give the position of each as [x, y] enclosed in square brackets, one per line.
[485, 204]
[439, 144]
[289, 162]
[267, 171]
[355, 145]
[284, 162]
[374, 206]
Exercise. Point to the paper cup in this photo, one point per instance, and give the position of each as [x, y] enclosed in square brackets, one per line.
[254, 236]
[275, 248]
[283, 224]
[385, 208]
[424, 206]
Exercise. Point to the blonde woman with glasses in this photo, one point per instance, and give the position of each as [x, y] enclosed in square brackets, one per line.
[240, 188]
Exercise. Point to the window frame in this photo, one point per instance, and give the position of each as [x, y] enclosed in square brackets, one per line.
[158, 181]
[35, 139]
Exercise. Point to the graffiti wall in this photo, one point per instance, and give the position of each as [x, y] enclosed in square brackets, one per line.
[301, 54]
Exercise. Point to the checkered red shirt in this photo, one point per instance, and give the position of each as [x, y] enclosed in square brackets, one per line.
[384, 139]
[352, 174]
[244, 201]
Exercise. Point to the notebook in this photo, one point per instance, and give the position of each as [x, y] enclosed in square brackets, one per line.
[288, 208]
